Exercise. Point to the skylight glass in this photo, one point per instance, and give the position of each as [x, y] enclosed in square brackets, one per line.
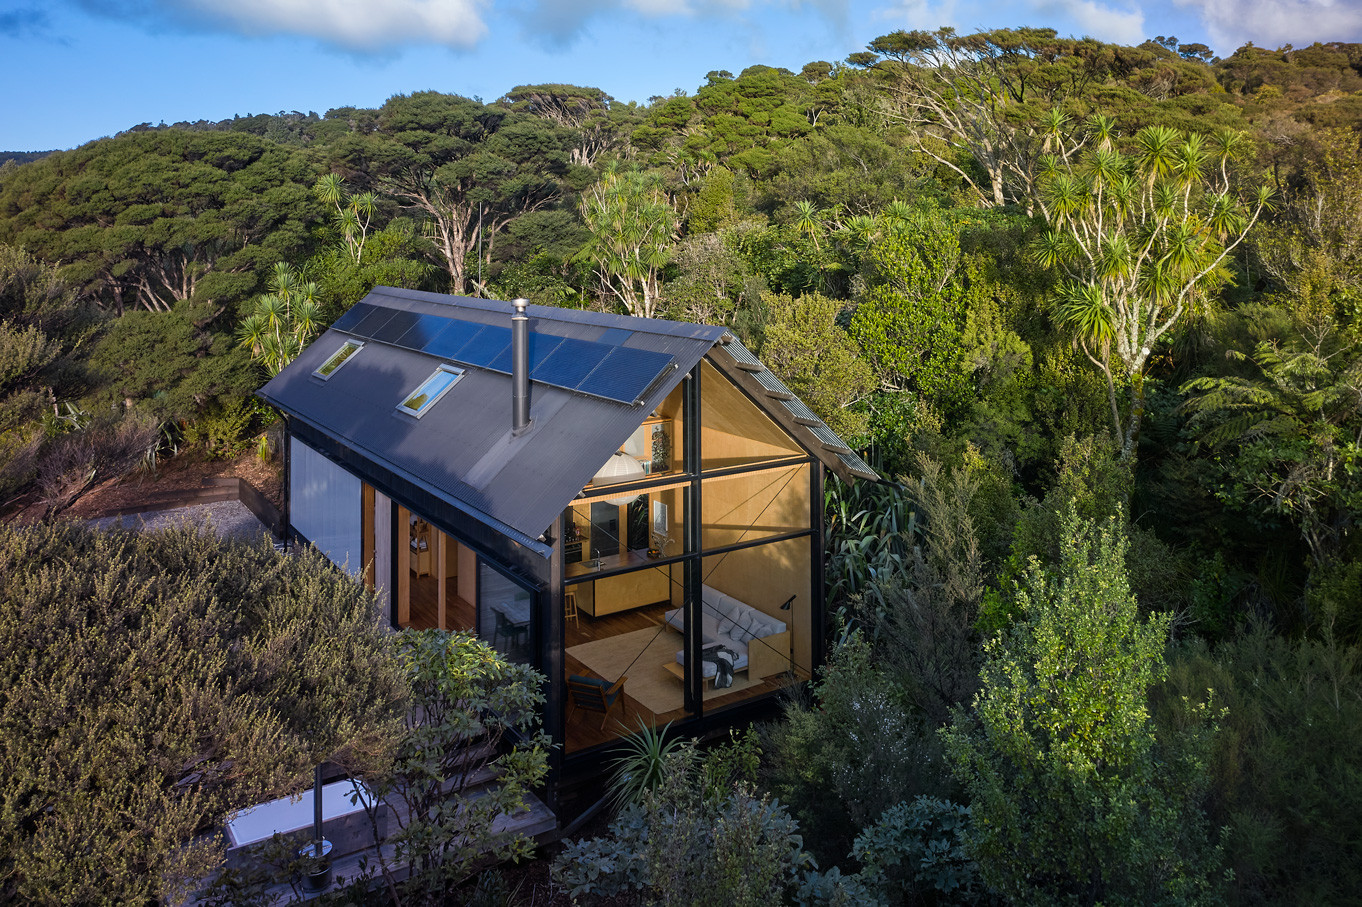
[338, 358]
[432, 389]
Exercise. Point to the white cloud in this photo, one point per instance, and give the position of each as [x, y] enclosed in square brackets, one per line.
[362, 25]
[1105, 23]
[1117, 24]
[1272, 23]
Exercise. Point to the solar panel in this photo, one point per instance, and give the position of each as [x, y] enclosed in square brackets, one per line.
[828, 438]
[569, 363]
[353, 316]
[426, 329]
[772, 385]
[395, 327]
[452, 339]
[624, 374]
[485, 346]
[614, 336]
[373, 321]
[541, 345]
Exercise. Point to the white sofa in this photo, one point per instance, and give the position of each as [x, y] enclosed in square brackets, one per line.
[760, 642]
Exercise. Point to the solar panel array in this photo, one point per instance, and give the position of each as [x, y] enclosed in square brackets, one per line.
[600, 368]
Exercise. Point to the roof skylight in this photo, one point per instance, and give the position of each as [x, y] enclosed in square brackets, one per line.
[338, 358]
[432, 389]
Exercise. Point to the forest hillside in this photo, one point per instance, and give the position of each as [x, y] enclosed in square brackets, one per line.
[1095, 309]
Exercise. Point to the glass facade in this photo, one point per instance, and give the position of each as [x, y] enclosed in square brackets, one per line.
[645, 590]
[325, 506]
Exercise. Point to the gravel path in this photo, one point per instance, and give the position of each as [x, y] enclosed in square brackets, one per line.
[229, 519]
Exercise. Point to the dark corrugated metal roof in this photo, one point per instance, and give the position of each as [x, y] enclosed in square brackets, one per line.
[463, 447]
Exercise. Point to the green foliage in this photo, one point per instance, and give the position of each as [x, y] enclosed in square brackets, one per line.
[857, 749]
[644, 757]
[155, 683]
[1139, 241]
[1286, 777]
[168, 364]
[920, 620]
[633, 225]
[910, 322]
[811, 352]
[151, 219]
[870, 528]
[1285, 433]
[1072, 797]
[689, 842]
[471, 714]
[223, 430]
[916, 851]
[283, 321]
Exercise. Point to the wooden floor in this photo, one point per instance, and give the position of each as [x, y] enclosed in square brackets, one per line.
[425, 609]
[583, 728]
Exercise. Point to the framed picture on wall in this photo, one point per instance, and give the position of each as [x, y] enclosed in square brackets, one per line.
[659, 517]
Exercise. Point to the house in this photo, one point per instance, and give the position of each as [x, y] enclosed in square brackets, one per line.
[603, 497]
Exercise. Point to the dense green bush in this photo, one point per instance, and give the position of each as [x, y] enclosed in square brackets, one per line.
[916, 852]
[1074, 798]
[703, 835]
[153, 684]
[857, 749]
[1285, 771]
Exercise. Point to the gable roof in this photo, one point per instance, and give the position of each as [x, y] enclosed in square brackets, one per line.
[595, 377]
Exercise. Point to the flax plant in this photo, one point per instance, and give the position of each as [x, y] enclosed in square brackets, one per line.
[1139, 239]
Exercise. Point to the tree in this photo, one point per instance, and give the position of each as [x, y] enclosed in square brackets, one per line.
[633, 226]
[993, 94]
[814, 355]
[156, 683]
[282, 321]
[1073, 798]
[467, 168]
[471, 714]
[911, 320]
[1138, 241]
[154, 218]
[1288, 433]
[353, 212]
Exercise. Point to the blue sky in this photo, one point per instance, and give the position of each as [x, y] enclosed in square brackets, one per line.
[81, 69]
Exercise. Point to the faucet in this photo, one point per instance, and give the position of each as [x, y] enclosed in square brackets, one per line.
[596, 558]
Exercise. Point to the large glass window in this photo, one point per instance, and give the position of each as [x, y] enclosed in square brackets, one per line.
[506, 614]
[755, 505]
[324, 506]
[733, 431]
[755, 613]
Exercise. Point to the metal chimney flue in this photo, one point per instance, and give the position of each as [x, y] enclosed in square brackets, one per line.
[520, 368]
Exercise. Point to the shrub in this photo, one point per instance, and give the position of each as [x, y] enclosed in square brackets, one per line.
[153, 684]
[688, 842]
[1072, 799]
[856, 750]
[916, 852]
[468, 703]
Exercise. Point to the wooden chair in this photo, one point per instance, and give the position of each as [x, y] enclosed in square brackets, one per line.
[595, 695]
[570, 608]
